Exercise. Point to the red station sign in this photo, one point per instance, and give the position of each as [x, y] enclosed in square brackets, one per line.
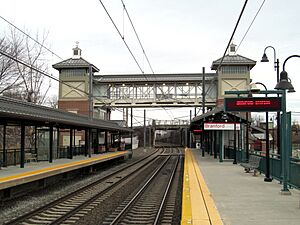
[255, 104]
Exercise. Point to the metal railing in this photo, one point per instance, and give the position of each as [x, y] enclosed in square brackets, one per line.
[275, 166]
[13, 155]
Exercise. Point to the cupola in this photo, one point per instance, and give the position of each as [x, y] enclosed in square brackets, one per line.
[232, 49]
[76, 52]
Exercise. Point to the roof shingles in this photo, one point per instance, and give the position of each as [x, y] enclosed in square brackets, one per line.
[233, 60]
[19, 110]
[74, 63]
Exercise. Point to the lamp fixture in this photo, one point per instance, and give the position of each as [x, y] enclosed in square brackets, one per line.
[264, 58]
[284, 84]
[254, 88]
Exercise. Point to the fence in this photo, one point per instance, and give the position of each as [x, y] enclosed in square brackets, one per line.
[13, 155]
[275, 166]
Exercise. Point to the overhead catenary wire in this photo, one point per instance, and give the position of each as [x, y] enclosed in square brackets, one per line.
[122, 36]
[231, 37]
[127, 46]
[38, 70]
[44, 73]
[137, 36]
[50, 76]
[250, 25]
[234, 30]
[11, 24]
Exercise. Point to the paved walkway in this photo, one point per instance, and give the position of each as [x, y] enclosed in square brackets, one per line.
[14, 175]
[243, 199]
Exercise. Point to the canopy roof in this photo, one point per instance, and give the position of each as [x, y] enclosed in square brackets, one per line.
[16, 110]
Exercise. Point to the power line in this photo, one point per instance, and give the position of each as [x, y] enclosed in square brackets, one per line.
[137, 36]
[124, 7]
[38, 70]
[51, 77]
[44, 73]
[250, 25]
[11, 24]
[47, 75]
[236, 25]
[121, 36]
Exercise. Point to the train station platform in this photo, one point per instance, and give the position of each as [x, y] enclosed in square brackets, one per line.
[222, 193]
[14, 175]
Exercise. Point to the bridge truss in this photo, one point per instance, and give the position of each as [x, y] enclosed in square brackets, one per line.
[155, 90]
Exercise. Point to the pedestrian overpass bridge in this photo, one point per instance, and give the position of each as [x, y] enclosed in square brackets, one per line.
[155, 90]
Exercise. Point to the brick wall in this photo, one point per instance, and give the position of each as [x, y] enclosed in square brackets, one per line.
[81, 107]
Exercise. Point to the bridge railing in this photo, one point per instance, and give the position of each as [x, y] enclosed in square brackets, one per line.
[172, 122]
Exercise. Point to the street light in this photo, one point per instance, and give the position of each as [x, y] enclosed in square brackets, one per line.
[284, 84]
[267, 178]
[273, 135]
[291, 90]
[276, 67]
[234, 140]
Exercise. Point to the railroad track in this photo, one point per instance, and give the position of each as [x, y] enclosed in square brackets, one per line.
[154, 203]
[79, 203]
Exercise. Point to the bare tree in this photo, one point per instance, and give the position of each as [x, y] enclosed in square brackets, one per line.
[9, 76]
[52, 101]
[30, 85]
[20, 81]
[33, 82]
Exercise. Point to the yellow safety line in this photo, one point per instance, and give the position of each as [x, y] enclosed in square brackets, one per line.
[186, 215]
[53, 168]
[198, 206]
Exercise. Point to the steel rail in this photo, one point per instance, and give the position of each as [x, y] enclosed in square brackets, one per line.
[158, 215]
[26, 216]
[142, 190]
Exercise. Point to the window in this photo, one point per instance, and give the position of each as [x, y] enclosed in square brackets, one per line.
[75, 52]
[73, 72]
[234, 69]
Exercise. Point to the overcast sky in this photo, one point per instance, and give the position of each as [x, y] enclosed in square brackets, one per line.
[178, 36]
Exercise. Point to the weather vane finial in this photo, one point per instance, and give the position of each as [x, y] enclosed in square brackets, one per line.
[77, 42]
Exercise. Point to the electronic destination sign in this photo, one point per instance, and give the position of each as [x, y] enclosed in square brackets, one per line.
[255, 104]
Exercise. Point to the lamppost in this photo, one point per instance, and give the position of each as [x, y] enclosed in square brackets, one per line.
[273, 143]
[267, 175]
[234, 140]
[284, 84]
[276, 67]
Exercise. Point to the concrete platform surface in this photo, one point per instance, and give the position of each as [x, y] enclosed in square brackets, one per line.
[243, 199]
[14, 175]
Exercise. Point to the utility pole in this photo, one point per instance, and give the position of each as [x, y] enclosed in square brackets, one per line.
[190, 141]
[203, 90]
[131, 136]
[144, 128]
[90, 92]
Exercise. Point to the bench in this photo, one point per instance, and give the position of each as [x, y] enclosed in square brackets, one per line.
[253, 164]
[30, 157]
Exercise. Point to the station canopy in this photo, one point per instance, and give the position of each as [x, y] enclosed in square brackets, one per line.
[217, 115]
[12, 111]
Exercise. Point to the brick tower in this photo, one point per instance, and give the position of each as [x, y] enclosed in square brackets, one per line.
[233, 74]
[73, 92]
